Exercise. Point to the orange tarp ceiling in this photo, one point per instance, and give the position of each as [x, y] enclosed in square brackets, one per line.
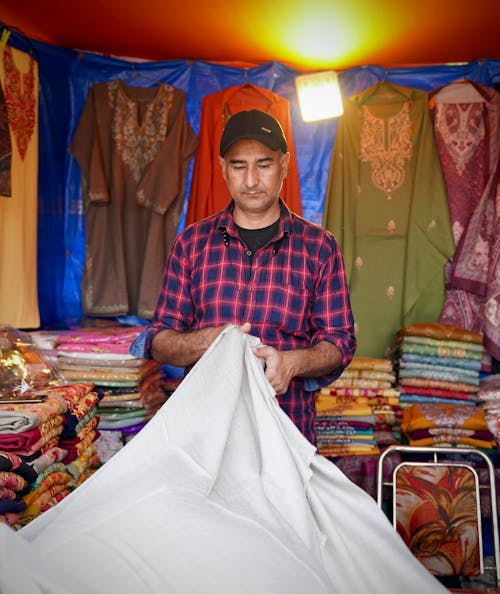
[306, 35]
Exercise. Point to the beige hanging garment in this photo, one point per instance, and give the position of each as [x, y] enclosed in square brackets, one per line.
[18, 212]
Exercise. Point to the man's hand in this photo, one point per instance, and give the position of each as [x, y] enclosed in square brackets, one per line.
[282, 366]
[279, 369]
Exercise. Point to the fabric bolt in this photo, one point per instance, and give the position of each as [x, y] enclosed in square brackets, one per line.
[209, 192]
[221, 437]
[414, 398]
[11, 462]
[11, 506]
[368, 374]
[56, 477]
[445, 343]
[449, 375]
[386, 203]
[77, 446]
[371, 364]
[403, 363]
[441, 331]
[425, 416]
[292, 293]
[13, 481]
[425, 390]
[133, 146]
[443, 361]
[19, 213]
[437, 383]
[26, 439]
[17, 417]
[52, 455]
[9, 518]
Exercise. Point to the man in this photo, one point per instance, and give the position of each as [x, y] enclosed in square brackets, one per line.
[257, 265]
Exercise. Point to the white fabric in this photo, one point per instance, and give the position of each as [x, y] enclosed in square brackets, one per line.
[219, 494]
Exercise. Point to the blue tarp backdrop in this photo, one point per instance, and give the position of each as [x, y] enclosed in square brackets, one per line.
[65, 79]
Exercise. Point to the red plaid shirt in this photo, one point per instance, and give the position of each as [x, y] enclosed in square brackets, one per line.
[293, 292]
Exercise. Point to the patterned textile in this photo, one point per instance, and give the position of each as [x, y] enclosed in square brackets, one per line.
[5, 148]
[17, 417]
[467, 131]
[20, 99]
[386, 202]
[444, 361]
[437, 383]
[133, 146]
[441, 331]
[11, 462]
[370, 364]
[437, 517]
[425, 416]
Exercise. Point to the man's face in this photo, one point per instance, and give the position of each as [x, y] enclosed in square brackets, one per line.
[254, 175]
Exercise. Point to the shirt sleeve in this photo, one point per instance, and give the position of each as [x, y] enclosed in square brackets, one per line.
[331, 310]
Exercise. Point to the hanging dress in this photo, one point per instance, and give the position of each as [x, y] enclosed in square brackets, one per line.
[386, 205]
[18, 210]
[466, 120]
[209, 192]
[133, 146]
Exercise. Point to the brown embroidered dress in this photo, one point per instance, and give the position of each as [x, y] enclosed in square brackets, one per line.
[133, 145]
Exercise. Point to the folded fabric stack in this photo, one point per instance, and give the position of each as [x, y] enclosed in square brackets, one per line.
[133, 389]
[356, 412]
[80, 430]
[489, 401]
[447, 425]
[438, 363]
[16, 477]
[30, 439]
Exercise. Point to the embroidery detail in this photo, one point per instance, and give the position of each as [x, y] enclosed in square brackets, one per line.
[431, 225]
[139, 143]
[358, 262]
[20, 100]
[462, 128]
[386, 144]
[391, 226]
[390, 293]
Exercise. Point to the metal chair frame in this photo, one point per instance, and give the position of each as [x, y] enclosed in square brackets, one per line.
[435, 454]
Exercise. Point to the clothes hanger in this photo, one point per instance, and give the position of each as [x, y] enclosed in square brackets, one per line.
[139, 74]
[385, 89]
[6, 34]
[460, 91]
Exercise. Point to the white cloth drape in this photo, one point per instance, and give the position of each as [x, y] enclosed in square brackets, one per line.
[220, 493]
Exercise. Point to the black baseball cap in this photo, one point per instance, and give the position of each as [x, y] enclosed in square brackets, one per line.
[256, 125]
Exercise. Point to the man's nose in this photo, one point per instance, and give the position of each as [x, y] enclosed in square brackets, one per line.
[252, 177]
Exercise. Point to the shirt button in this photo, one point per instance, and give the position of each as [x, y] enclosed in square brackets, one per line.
[250, 289]
[249, 253]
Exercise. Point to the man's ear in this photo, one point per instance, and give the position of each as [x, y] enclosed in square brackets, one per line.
[285, 162]
[222, 164]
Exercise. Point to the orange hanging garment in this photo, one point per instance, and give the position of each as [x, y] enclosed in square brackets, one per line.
[209, 192]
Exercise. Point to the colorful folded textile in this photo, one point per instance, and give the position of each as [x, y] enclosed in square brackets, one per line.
[426, 416]
[441, 331]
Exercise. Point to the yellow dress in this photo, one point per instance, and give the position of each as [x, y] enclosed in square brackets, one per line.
[18, 212]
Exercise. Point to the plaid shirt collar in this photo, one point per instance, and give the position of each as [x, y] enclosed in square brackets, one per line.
[225, 223]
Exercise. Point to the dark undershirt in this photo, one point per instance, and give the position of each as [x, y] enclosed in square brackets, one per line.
[257, 238]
